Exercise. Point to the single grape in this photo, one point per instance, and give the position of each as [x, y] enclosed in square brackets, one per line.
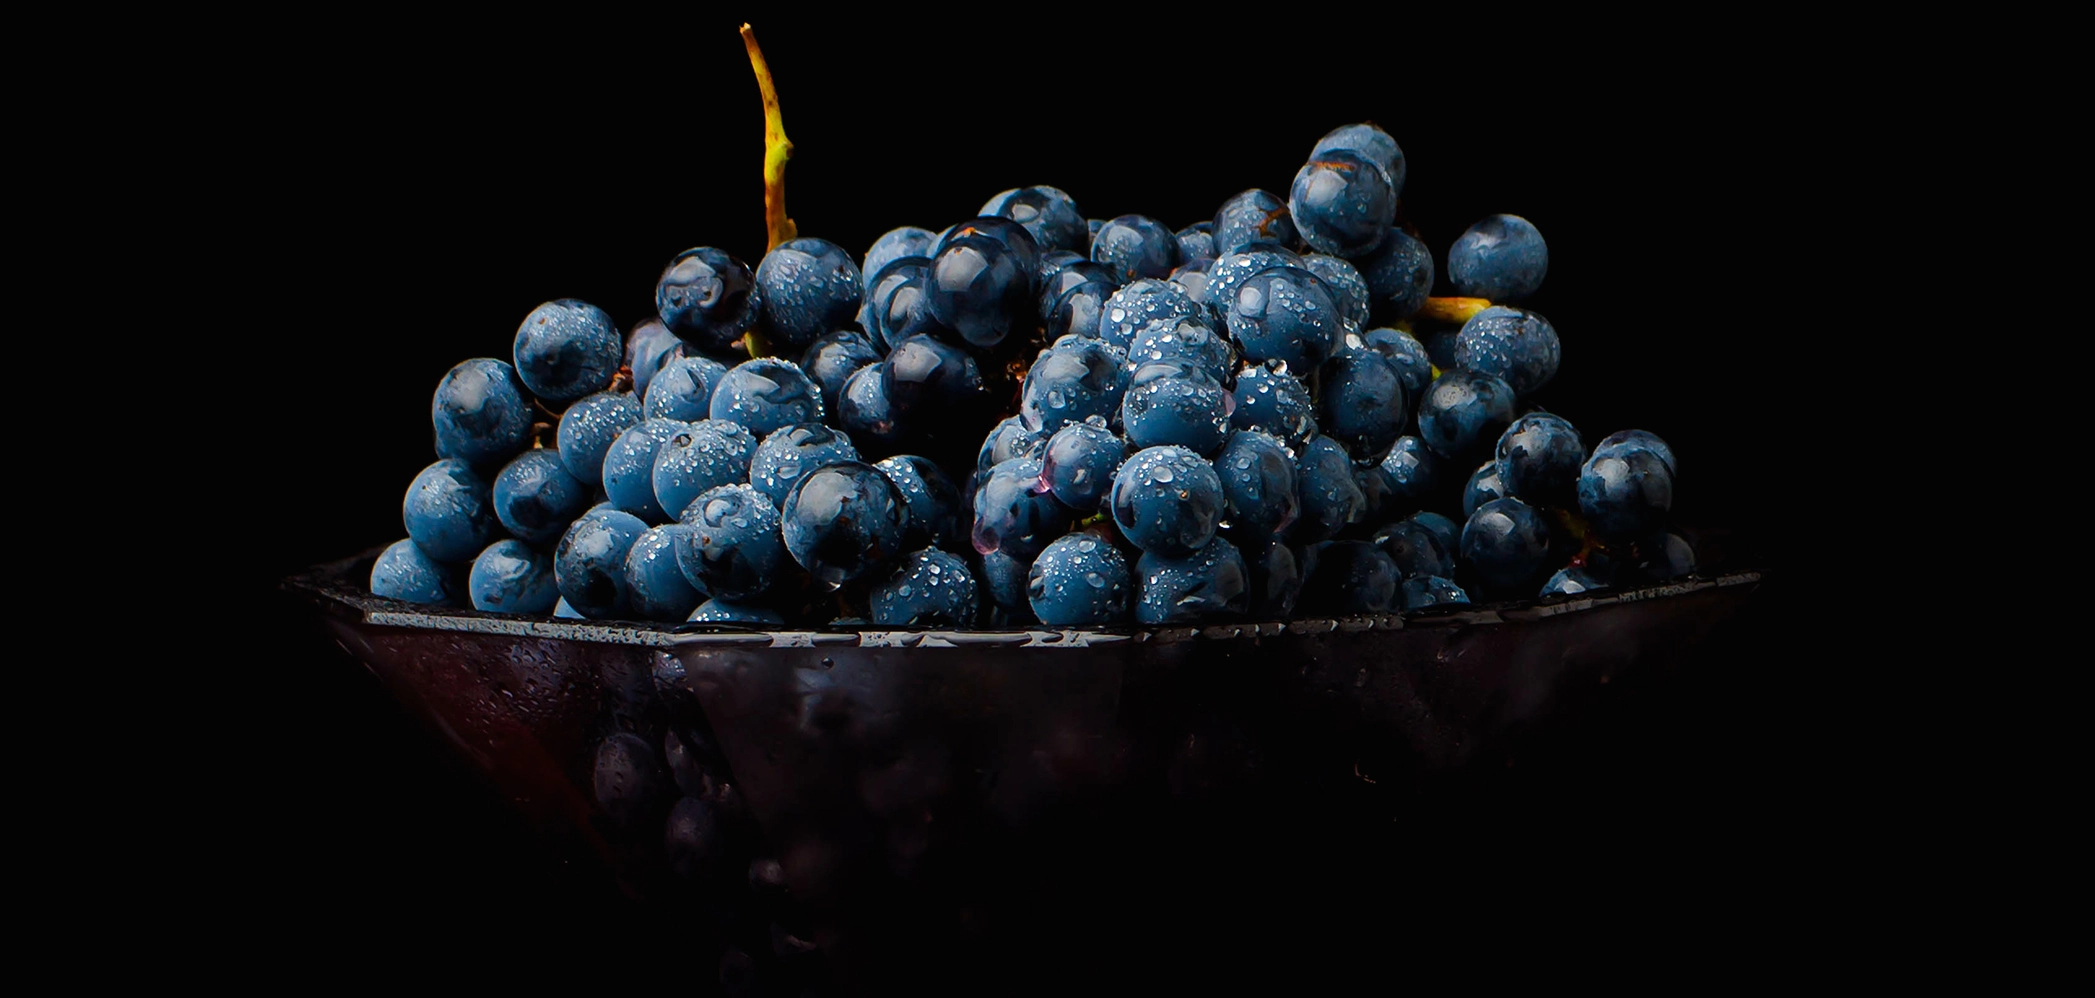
[1665, 556]
[1049, 215]
[1073, 381]
[1196, 242]
[567, 349]
[698, 458]
[1142, 302]
[1209, 584]
[1284, 314]
[930, 500]
[766, 394]
[1425, 591]
[587, 430]
[655, 583]
[629, 467]
[979, 289]
[1025, 250]
[449, 511]
[1513, 344]
[1506, 542]
[834, 357]
[934, 377]
[1167, 500]
[842, 522]
[1269, 398]
[481, 414]
[898, 304]
[1403, 350]
[590, 563]
[535, 497]
[721, 611]
[1081, 311]
[513, 577]
[1007, 440]
[1015, 512]
[894, 244]
[1444, 530]
[734, 548]
[865, 412]
[1342, 203]
[1054, 262]
[1464, 413]
[1331, 499]
[1185, 339]
[1501, 259]
[1400, 276]
[1351, 577]
[1136, 246]
[404, 572]
[683, 389]
[648, 346]
[1348, 289]
[1254, 216]
[1540, 459]
[1615, 444]
[1372, 143]
[707, 298]
[1079, 581]
[929, 587]
[1080, 462]
[1259, 493]
[1414, 549]
[1484, 485]
[1624, 494]
[808, 287]
[1165, 406]
[1411, 471]
[1073, 273]
[1232, 269]
[1363, 405]
[1004, 580]
[789, 454]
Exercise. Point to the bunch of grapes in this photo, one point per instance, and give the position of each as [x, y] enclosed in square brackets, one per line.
[1254, 417]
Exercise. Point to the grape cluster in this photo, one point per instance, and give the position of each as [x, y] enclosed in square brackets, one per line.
[1261, 416]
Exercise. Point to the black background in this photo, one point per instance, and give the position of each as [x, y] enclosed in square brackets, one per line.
[402, 202]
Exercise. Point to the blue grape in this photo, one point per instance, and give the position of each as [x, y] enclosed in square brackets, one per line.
[1080, 462]
[1181, 339]
[922, 374]
[1232, 269]
[843, 521]
[1348, 289]
[1342, 203]
[1351, 577]
[1501, 258]
[683, 389]
[1254, 216]
[1400, 277]
[699, 458]
[1426, 591]
[733, 547]
[1414, 549]
[404, 572]
[1540, 458]
[894, 244]
[1211, 583]
[809, 287]
[1193, 277]
[1196, 242]
[1136, 246]
[979, 288]
[1571, 582]
[707, 298]
[1276, 581]
[1412, 471]
[865, 412]
[513, 577]
[590, 563]
[1008, 440]
[833, 358]
[1463, 413]
[898, 304]
[1014, 511]
[1167, 500]
[1615, 444]
[1403, 350]
[449, 511]
[480, 412]
[765, 395]
[1049, 216]
[567, 349]
[929, 587]
[1073, 273]
[1363, 405]
[929, 499]
[1025, 250]
[1513, 344]
[1284, 314]
[629, 467]
[1370, 143]
[1081, 311]
[655, 583]
[1142, 302]
[1506, 543]
[1054, 262]
[1165, 406]
[1665, 556]
[1073, 381]
[1624, 494]
[1259, 493]
[535, 497]
[1004, 580]
[1269, 398]
[1079, 581]
[789, 454]
[1484, 486]
[722, 611]
[648, 346]
[1444, 530]
[587, 430]
[1331, 499]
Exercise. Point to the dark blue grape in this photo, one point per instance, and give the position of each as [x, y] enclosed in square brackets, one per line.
[1484, 486]
[1444, 530]
[1004, 580]
[843, 522]
[587, 430]
[1141, 302]
[1625, 494]
[1571, 582]
[1411, 472]
[1008, 440]
[683, 389]
[1403, 350]
[1080, 311]
[1426, 591]
[1232, 269]
[1049, 215]
[1167, 500]
[1024, 248]
[1331, 499]
[1363, 405]
[1665, 556]
[567, 349]
[1615, 444]
[1054, 262]
[865, 412]
[1506, 543]
[809, 287]
[1079, 581]
[1284, 314]
[1400, 277]
[934, 377]
[590, 563]
[721, 611]
[1196, 242]
[832, 359]
[513, 577]
[1513, 344]
[449, 511]
[930, 500]
[655, 583]
[404, 572]
[1080, 462]
[1276, 581]
[1440, 346]
[1501, 259]
[1269, 398]
[699, 458]
[979, 289]
[1136, 246]
[1014, 511]
[1351, 577]
[1073, 381]
[894, 244]
[1254, 216]
[1342, 203]
[1370, 143]
[648, 346]
[1165, 406]
[1193, 277]
[929, 587]
[1209, 584]
[789, 454]
[1463, 413]
[898, 304]
[1539, 460]
[765, 395]
[707, 298]
[1414, 549]
[481, 414]
[1348, 289]
[535, 497]
[1259, 494]
[1181, 339]
[733, 548]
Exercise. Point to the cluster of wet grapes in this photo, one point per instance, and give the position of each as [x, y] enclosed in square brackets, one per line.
[1260, 416]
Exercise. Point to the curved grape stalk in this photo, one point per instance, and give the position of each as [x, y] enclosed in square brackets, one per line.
[777, 149]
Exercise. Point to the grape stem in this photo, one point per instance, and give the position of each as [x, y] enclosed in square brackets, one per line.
[1453, 309]
[777, 149]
